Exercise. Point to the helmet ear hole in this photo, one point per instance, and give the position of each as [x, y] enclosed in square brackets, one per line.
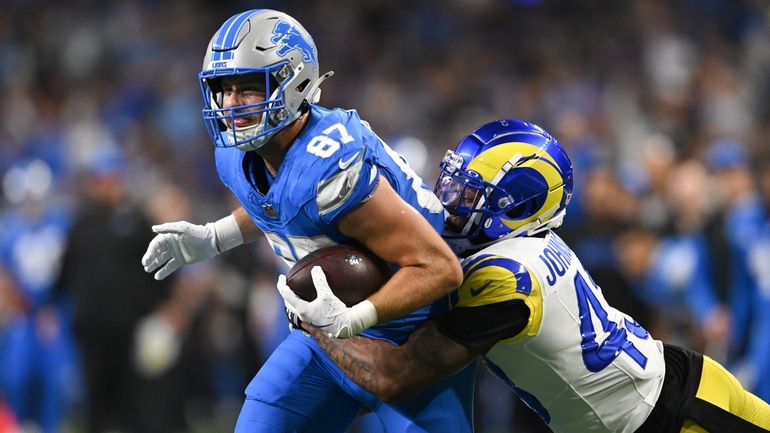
[301, 87]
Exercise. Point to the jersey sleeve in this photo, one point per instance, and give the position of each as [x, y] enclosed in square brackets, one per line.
[499, 300]
[224, 162]
[482, 327]
[347, 179]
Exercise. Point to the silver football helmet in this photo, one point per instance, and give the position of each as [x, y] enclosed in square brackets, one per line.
[277, 48]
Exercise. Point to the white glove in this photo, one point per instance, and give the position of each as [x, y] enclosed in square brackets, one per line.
[181, 243]
[295, 323]
[156, 346]
[326, 311]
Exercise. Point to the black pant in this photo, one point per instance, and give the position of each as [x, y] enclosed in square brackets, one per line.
[678, 400]
[121, 400]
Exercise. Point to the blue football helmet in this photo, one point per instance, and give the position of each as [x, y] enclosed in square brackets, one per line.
[281, 53]
[508, 178]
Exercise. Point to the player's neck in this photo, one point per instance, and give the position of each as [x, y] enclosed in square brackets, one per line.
[275, 150]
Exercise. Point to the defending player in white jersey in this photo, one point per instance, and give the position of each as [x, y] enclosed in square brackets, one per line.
[534, 314]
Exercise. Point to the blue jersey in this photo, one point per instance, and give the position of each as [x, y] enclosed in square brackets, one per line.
[758, 349]
[743, 225]
[31, 359]
[679, 276]
[31, 249]
[332, 167]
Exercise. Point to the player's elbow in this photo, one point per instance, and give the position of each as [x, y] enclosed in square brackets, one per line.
[397, 381]
[394, 391]
[450, 273]
[457, 274]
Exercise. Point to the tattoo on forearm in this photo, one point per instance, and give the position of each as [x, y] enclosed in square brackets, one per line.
[357, 363]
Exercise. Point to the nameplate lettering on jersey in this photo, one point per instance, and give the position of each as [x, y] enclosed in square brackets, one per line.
[557, 257]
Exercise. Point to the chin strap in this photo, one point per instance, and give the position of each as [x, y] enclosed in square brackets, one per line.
[536, 226]
[462, 246]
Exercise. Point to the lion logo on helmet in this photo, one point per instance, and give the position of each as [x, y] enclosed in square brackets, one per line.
[288, 38]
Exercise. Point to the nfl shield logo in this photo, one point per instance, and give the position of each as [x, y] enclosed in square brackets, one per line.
[269, 210]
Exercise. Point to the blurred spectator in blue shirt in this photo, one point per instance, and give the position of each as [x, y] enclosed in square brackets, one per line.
[744, 218]
[37, 361]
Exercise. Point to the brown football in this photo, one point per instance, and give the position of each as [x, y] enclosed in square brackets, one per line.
[353, 273]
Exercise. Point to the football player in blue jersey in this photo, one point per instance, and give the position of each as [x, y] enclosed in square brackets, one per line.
[532, 311]
[308, 177]
[758, 357]
[744, 218]
[36, 345]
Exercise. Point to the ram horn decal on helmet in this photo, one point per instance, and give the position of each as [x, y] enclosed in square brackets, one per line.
[508, 178]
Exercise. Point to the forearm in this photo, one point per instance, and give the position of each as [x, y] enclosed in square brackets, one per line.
[391, 372]
[357, 358]
[399, 234]
[249, 231]
[414, 286]
[180, 243]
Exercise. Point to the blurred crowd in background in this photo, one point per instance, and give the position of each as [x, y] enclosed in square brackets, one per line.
[664, 107]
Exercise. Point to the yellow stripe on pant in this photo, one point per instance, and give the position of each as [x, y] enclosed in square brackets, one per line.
[720, 388]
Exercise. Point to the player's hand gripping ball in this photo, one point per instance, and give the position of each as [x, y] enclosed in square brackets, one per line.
[353, 273]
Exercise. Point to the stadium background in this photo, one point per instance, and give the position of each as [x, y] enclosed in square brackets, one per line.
[664, 107]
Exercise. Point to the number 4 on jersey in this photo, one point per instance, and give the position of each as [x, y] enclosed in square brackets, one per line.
[597, 356]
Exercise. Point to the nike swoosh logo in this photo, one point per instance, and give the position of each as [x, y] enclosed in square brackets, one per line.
[345, 164]
[477, 291]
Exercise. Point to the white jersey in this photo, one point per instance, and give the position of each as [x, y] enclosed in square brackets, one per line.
[580, 363]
